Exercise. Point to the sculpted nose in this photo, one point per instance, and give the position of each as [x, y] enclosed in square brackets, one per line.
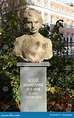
[33, 25]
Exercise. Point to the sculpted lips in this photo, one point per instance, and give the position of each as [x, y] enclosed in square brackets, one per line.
[33, 29]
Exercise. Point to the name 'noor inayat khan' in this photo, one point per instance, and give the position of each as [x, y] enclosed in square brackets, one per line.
[32, 46]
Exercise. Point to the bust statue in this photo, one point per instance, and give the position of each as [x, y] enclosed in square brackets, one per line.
[32, 46]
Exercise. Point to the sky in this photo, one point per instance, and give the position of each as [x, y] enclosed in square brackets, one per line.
[66, 1]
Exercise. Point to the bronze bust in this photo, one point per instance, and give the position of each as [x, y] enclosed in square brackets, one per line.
[33, 47]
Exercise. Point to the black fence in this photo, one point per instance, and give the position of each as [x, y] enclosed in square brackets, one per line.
[69, 45]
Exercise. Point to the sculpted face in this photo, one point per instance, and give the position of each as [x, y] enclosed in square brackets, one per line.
[33, 25]
[33, 21]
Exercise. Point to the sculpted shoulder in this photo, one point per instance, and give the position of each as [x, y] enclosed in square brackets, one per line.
[47, 40]
[21, 38]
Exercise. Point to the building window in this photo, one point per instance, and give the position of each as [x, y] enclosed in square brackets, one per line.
[67, 24]
[73, 24]
[38, 2]
[69, 12]
[51, 6]
[45, 17]
[31, 1]
[72, 13]
[51, 20]
[46, 3]
[62, 9]
[56, 8]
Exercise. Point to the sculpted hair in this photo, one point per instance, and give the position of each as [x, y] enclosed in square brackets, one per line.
[32, 13]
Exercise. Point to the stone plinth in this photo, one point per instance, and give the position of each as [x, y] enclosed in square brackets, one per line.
[33, 78]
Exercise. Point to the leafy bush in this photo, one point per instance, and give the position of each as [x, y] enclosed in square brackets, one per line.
[9, 73]
[60, 81]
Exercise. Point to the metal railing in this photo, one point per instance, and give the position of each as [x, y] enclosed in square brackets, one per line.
[69, 45]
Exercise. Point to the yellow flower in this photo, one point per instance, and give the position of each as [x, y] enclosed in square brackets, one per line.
[52, 90]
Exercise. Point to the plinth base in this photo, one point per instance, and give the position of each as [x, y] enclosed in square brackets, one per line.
[33, 87]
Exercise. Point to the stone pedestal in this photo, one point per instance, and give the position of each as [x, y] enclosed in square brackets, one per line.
[33, 78]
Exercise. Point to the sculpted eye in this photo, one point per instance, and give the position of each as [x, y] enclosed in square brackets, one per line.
[36, 21]
[28, 22]
[44, 45]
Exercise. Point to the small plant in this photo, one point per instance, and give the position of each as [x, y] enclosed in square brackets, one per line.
[11, 27]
